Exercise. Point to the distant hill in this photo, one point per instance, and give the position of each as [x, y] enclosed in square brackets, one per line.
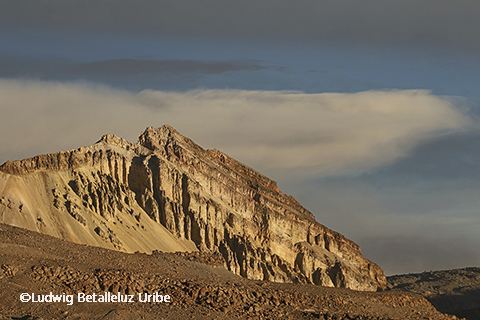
[450, 291]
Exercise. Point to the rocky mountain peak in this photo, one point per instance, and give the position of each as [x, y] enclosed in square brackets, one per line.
[157, 138]
[167, 193]
[111, 139]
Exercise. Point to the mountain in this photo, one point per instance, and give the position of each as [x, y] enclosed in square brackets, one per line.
[167, 193]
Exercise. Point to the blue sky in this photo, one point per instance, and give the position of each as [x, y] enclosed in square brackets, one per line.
[366, 112]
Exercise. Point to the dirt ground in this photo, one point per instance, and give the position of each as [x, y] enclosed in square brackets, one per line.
[197, 286]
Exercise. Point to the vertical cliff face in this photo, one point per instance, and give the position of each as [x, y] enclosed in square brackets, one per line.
[165, 192]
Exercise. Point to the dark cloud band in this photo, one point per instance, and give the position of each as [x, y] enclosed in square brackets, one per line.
[426, 23]
[125, 67]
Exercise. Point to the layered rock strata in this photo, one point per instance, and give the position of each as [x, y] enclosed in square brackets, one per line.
[167, 193]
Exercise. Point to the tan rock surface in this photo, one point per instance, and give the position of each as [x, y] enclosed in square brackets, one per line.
[167, 193]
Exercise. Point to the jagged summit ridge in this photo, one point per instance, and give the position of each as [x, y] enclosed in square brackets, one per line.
[165, 192]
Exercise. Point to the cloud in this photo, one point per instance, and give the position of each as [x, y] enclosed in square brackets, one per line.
[427, 23]
[323, 133]
[290, 132]
[15, 67]
[126, 67]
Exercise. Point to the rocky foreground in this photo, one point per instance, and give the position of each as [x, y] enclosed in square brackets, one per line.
[167, 193]
[198, 286]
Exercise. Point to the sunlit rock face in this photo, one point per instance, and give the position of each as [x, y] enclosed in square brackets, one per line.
[167, 193]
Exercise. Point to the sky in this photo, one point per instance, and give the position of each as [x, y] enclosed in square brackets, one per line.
[367, 112]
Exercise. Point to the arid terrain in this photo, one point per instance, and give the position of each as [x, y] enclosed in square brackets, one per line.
[199, 287]
[163, 229]
[451, 291]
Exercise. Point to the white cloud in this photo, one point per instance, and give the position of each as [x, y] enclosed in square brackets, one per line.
[294, 132]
